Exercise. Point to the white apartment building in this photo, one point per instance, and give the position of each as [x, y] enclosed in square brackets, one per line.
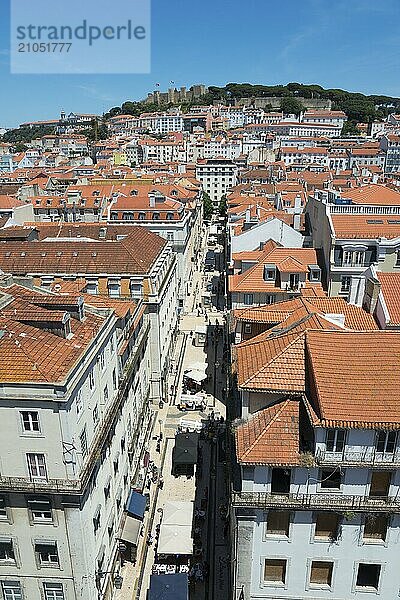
[329, 117]
[355, 229]
[317, 514]
[217, 176]
[390, 143]
[76, 420]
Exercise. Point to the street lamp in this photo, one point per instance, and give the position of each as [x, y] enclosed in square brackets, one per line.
[160, 421]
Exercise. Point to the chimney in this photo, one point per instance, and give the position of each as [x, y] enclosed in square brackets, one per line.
[247, 218]
[152, 200]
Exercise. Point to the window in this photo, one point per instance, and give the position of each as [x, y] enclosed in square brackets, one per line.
[247, 327]
[37, 466]
[386, 441]
[83, 442]
[375, 528]
[280, 481]
[7, 550]
[326, 526]
[397, 258]
[345, 283]
[114, 377]
[116, 465]
[96, 519]
[46, 554]
[368, 576]
[40, 510]
[114, 289]
[3, 509]
[353, 258]
[102, 361]
[321, 572]
[11, 590]
[275, 571]
[91, 380]
[269, 274]
[105, 391]
[78, 402]
[380, 483]
[95, 415]
[30, 421]
[335, 440]
[330, 479]
[92, 288]
[248, 299]
[107, 489]
[53, 591]
[278, 522]
[314, 275]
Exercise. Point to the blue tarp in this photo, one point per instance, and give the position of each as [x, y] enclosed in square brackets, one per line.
[136, 505]
[168, 587]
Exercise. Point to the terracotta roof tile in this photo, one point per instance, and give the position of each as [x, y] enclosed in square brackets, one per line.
[270, 436]
[390, 288]
[356, 377]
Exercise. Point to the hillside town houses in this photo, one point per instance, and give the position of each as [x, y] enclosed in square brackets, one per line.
[200, 283]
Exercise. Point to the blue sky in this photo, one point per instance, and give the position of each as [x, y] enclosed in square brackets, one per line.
[351, 44]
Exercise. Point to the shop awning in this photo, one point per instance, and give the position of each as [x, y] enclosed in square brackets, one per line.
[176, 529]
[178, 512]
[131, 530]
[175, 540]
[169, 587]
[196, 376]
[136, 505]
[185, 449]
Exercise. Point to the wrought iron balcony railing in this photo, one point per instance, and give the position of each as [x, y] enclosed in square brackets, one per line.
[322, 501]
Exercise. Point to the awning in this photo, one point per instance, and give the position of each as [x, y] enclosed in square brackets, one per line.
[136, 505]
[185, 449]
[178, 513]
[169, 587]
[176, 529]
[197, 376]
[131, 530]
[197, 366]
[175, 540]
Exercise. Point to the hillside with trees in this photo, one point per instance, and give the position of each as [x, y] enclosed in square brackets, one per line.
[360, 108]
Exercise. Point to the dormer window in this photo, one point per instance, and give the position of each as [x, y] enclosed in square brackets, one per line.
[269, 272]
[134, 192]
[314, 273]
[174, 193]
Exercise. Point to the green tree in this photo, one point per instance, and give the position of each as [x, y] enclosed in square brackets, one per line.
[222, 209]
[291, 106]
[208, 207]
[19, 147]
[350, 128]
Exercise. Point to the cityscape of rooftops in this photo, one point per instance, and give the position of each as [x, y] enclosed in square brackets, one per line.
[199, 300]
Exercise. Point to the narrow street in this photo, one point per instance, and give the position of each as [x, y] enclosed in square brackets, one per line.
[208, 488]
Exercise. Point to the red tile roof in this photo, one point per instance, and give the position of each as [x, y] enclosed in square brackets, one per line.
[356, 378]
[390, 288]
[270, 436]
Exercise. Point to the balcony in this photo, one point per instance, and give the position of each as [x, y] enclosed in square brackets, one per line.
[323, 501]
[368, 458]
